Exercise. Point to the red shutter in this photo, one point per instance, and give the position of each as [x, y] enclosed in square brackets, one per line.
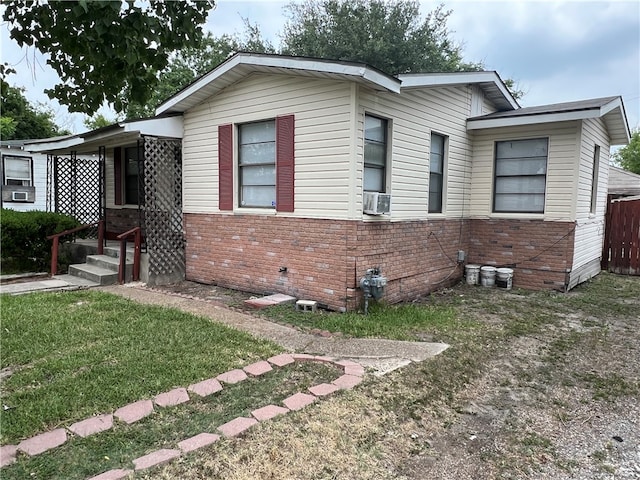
[285, 163]
[225, 167]
[117, 174]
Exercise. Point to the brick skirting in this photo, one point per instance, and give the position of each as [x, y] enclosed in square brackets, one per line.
[324, 259]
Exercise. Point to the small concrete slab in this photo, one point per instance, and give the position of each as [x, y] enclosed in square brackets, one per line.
[237, 426]
[14, 288]
[43, 442]
[92, 425]
[116, 474]
[172, 397]
[347, 382]
[269, 300]
[8, 455]
[206, 387]
[268, 412]
[258, 368]
[153, 459]
[298, 401]
[281, 360]
[232, 376]
[323, 389]
[134, 411]
[198, 441]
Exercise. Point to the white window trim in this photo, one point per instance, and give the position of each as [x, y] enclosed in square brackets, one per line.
[518, 214]
[17, 157]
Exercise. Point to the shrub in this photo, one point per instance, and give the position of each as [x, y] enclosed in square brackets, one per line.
[24, 238]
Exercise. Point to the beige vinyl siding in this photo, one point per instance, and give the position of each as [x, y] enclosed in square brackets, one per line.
[590, 227]
[414, 115]
[323, 112]
[561, 169]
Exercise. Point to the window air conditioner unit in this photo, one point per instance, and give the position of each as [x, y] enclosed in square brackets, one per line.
[375, 203]
[19, 196]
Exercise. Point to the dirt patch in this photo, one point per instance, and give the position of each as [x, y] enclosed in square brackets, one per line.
[548, 386]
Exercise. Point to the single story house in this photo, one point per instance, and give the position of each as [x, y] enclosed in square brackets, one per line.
[297, 175]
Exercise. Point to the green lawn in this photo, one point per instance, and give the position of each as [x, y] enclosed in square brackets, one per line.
[396, 322]
[74, 354]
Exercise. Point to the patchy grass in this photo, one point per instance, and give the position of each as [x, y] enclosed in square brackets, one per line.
[74, 354]
[397, 322]
[513, 395]
[116, 448]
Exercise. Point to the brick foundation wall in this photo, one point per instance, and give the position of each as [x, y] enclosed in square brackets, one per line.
[119, 220]
[539, 252]
[325, 259]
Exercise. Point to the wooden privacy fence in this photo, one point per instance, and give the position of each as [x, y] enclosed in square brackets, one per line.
[621, 253]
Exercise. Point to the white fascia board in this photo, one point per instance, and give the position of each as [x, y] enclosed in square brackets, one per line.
[531, 119]
[65, 144]
[198, 84]
[390, 84]
[157, 127]
[413, 80]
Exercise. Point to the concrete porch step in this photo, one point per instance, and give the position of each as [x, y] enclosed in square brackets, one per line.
[110, 263]
[114, 252]
[103, 276]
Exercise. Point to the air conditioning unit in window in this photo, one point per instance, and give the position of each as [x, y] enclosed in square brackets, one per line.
[375, 203]
[19, 196]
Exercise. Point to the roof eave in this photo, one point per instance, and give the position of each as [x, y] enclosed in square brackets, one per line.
[179, 102]
[417, 80]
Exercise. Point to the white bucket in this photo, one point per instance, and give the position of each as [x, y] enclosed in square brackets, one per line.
[504, 278]
[472, 274]
[488, 276]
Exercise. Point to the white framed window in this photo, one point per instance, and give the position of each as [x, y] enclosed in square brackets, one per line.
[375, 153]
[436, 172]
[17, 170]
[257, 164]
[594, 179]
[520, 175]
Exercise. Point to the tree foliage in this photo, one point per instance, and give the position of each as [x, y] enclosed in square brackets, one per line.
[189, 63]
[628, 157]
[100, 48]
[391, 36]
[21, 120]
[98, 121]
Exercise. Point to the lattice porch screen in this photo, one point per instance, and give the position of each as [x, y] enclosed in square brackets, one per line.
[163, 206]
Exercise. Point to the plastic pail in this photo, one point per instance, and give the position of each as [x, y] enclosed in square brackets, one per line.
[504, 278]
[488, 276]
[472, 274]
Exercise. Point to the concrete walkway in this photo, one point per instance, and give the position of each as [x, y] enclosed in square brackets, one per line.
[379, 354]
[58, 282]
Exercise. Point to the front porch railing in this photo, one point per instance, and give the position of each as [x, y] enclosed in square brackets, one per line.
[55, 247]
[137, 241]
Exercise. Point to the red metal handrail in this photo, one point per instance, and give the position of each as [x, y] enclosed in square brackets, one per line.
[56, 241]
[137, 232]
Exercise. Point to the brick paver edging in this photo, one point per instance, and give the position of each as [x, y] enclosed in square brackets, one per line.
[352, 374]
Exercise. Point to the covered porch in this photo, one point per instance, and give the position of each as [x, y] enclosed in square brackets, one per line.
[126, 178]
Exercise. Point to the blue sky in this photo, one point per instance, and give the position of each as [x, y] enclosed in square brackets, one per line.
[556, 50]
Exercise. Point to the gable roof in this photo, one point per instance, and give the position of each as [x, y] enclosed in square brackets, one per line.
[610, 109]
[243, 64]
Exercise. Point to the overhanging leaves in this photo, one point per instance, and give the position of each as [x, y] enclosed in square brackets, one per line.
[101, 48]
